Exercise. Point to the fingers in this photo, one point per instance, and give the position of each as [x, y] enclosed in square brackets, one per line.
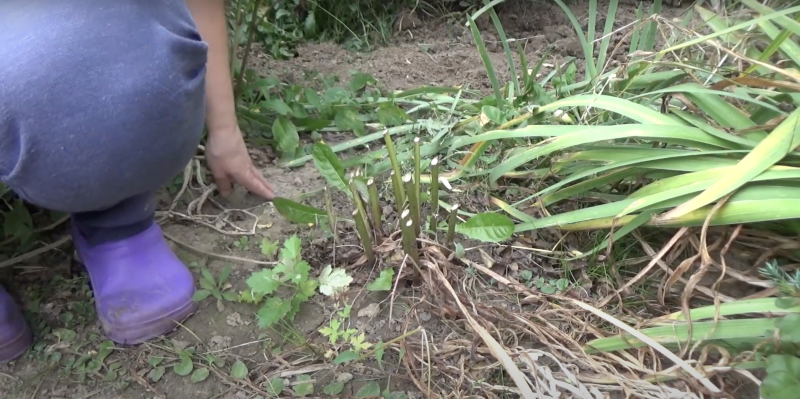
[250, 178]
[224, 185]
[254, 182]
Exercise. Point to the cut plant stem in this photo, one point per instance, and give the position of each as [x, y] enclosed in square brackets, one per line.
[397, 187]
[403, 239]
[360, 216]
[451, 228]
[409, 239]
[331, 214]
[417, 173]
[413, 203]
[400, 196]
[375, 208]
[434, 193]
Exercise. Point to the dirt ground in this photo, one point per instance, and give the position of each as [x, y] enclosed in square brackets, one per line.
[427, 51]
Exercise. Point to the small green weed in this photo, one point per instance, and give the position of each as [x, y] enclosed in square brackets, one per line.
[550, 286]
[269, 248]
[219, 288]
[184, 361]
[242, 243]
[338, 334]
[292, 274]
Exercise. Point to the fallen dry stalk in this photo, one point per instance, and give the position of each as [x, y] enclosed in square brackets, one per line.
[497, 350]
[605, 316]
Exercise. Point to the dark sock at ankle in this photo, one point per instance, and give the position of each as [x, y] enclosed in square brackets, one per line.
[104, 235]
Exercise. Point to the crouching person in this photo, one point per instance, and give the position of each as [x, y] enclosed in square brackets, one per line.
[101, 104]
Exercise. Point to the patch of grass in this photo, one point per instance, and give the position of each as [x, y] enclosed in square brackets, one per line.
[280, 25]
[670, 139]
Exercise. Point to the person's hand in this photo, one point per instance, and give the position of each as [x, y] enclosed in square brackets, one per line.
[230, 163]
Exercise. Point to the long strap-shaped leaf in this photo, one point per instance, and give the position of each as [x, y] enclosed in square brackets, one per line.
[672, 134]
[766, 154]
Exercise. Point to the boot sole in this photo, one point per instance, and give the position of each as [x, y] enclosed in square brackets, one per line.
[17, 346]
[134, 335]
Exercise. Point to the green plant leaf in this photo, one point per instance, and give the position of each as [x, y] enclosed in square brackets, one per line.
[208, 276]
[347, 119]
[360, 80]
[487, 227]
[329, 167]
[239, 370]
[156, 373]
[783, 377]
[390, 115]
[285, 134]
[332, 280]
[229, 296]
[184, 367]
[274, 309]
[548, 289]
[278, 105]
[383, 282]
[772, 149]
[333, 388]
[268, 247]
[493, 113]
[298, 273]
[358, 342]
[345, 357]
[759, 305]
[200, 295]
[199, 375]
[298, 213]
[207, 285]
[306, 288]
[724, 333]
[369, 390]
[789, 327]
[290, 253]
[335, 95]
[263, 282]
[312, 97]
[106, 347]
[223, 276]
[303, 388]
[275, 386]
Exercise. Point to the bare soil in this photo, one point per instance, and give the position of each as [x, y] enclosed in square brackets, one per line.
[426, 51]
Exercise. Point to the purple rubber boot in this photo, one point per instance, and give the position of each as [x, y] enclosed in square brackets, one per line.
[15, 334]
[141, 289]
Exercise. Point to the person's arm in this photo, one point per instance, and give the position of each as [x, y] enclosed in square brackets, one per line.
[209, 15]
[226, 152]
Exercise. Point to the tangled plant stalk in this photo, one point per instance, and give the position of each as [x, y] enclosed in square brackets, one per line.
[434, 194]
[331, 214]
[375, 210]
[396, 171]
[368, 213]
[360, 215]
[451, 226]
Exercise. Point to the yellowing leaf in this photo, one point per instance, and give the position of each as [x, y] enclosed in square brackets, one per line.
[332, 281]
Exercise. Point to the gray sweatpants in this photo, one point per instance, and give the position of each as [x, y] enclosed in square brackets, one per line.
[101, 103]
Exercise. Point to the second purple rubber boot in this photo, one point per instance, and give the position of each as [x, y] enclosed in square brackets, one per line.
[15, 333]
[141, 289]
